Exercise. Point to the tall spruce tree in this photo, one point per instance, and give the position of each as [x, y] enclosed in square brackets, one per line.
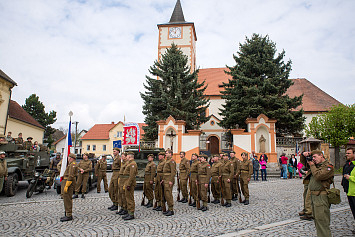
[258, 85]
[176, 92]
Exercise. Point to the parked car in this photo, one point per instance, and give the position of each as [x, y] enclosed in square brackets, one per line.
[109, 160]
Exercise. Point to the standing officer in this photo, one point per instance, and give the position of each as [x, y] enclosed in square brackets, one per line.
[53, 167]
[84, 167]
[193, 178]
[235, 182]
[113, 188]
[215, 173]
[322, 175]
[204, 175]
[121, 192]
[3, 170]
[100, 171]
[184, 174]
[245, 172]
[158, 185]
[227, 174]
[130, 173]
[169, 172]
[69, 183]
[306, 213]
[149, 180]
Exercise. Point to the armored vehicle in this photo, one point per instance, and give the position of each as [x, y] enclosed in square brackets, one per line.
[22, 165]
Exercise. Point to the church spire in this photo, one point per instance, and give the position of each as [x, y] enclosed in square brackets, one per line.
[178, 15]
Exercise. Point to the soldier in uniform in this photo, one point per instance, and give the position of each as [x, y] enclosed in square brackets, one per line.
[204, 175]
[3, 170]
[158, 185]
[100, 172]
[113, 188]
[121, 192]
[84, 167]
[227, 174]
[19, 139]
[184, 174]
[28, 145]
[130, 173]
[245, 172]
[149, 175]
[322, 175]
[215, 173]
[235, 182]
[193, 178]
[306, 213]
[169, 172]
[69, 183]
[53, 167]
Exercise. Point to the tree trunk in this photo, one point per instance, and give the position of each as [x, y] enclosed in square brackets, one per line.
[337, 157]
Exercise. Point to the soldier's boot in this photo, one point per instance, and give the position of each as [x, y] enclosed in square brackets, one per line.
[124, 212]
[201, 208]
[114, 208]
[159, 208]
[150, 204]
[246, 202]
[301, 213]
[216, 201]
[165, 212]
[169, 213]
[184, 200]
[119, 212]
[125, 215]
[82, 196]
[228, 204]
[194, 204]
[106, 191]
[243, 201]
[66, 218]
[130, 216]
[235, 197]
[111, 206]
[204, 208]
[75, 195]
[307, 217]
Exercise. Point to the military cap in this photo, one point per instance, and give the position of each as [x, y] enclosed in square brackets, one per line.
[71, 155]
[245, 153]
[2, 135]
[204, 156]
[2, 152]
[195, 154]
[224, 154]
[117, 149]
[86, 154]
[150, 155]
[130, 153]
[124, 153]
[161, 153]
[232, 152]
[30, 138]
[318, 152]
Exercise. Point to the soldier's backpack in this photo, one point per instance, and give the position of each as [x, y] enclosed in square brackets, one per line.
[333, 195]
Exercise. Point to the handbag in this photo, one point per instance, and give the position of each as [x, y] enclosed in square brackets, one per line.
[333, 195]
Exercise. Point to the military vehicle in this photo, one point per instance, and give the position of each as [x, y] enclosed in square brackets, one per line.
[22, 165]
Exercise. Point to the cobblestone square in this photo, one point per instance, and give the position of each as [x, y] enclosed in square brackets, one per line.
[273, 211]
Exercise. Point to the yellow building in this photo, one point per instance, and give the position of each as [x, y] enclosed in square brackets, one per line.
[6, 84]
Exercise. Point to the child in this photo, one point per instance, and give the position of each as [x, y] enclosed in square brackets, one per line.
[290, 170]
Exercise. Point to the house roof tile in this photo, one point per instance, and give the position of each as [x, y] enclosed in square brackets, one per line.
[17, 112]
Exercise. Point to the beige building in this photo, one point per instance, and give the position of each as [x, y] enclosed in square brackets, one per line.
[6, 85]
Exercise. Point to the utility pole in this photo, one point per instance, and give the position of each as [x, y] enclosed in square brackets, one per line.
[76, 132]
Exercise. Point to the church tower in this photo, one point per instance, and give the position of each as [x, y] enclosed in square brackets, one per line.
[179, 32]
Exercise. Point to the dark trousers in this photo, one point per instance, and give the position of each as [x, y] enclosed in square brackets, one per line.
[351, 200]
[263, 174]
[256, 173]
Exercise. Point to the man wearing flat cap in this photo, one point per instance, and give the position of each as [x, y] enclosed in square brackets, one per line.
[227, 174]
[168, 181]
[204, 175]
[113, 188]
[158, 186]
[3, 170]
[84, 167]
[130, 173]
[149, 180]
[193, 178]
[69, 184]
[184, 168]
[100, 172]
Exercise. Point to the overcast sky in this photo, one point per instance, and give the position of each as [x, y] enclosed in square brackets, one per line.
[91, 57]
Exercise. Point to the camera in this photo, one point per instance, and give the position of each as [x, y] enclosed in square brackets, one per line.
[309, 158]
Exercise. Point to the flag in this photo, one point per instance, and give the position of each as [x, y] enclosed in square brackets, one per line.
[298, 152]
[68, 145]
[131, 134]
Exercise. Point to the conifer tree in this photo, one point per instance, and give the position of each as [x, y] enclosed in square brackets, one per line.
[176, 92]
[258, 85]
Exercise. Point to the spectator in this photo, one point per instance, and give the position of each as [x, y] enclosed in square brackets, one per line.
[256, 167]
[36, 146]
[293, 162]
[252, 155]
[265, 157]
[281, 169]
[9, 137]
[263, 168]
[284, 160]
[290, 170]
[299, 167]
[348, 181]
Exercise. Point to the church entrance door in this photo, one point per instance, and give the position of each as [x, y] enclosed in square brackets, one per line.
[213, 145]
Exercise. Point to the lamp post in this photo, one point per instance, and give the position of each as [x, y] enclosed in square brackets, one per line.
[76, 132]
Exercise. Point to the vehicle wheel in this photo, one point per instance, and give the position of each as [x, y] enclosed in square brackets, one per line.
[30, 190]
[11, 185]
[58, 189]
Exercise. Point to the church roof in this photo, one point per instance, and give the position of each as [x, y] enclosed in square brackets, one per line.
[7, 78]
[178, 15]
[314, 99]
[17, 112]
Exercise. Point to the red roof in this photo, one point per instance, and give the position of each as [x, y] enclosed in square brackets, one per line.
[314, 99]
[17, 112]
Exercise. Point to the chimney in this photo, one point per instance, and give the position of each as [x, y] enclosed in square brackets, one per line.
[112, 122]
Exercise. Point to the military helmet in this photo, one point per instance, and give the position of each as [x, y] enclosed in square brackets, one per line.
[161, 154]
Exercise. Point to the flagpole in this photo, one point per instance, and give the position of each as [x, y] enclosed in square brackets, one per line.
[66, 149]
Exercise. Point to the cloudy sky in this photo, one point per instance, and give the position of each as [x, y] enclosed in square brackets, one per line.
[91, 57]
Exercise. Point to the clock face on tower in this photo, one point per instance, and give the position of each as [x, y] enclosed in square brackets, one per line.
[175, 32]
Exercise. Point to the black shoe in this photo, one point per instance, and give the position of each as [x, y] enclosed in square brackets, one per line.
[216, 201]
[165, 212]
[128, 217]
[119, 212]
[201, 208]
[235, 198]
[169, 213]
[75, 196]
[66, 218]
[307, 217]
[106, 191]
[110, 207]
[243, 201]
[193, 204]
[204, 208]
[125, 215]
[246, 202]
[114, 208]
[124, 212]
[228, 205]
[184, 200]
[159, 208]
[149, 205]
[82, 196]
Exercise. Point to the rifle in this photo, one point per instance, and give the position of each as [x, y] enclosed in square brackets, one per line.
[163, 198]
[220, 183]
[190, 189]
[238, 189]
[198, 196]
[143, 198]
[178, 183]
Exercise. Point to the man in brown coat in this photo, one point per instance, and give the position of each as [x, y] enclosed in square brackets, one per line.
[204, 175]
[149, 175]
[227, 174]
[69, 183]
[215, 173]
[158, 185]
[113, 188]
[235, 181]
[121, 192]
[245, 172]
[184, 175]
[169, 172]
[3, 170]
[84, 167]
[130, 173]
[193, 178]
[100, 172]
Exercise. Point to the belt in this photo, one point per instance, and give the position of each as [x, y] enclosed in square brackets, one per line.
[124, 176]
[244, 171]
[203, 175]
[215, 176]
[319, 192]
[225, 174]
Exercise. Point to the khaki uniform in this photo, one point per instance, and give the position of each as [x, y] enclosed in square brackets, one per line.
[121, 192]
[19, 141]
[227, 172]
[307, 208]
[54, 167]
[158, 189]
[169, 172]
[28, 145]
[235, 182]
[149, 176]
[245, 172]
[100, 170]
[130, 173]
[193, 178]
[215, 185]
[184, 174]
[69, 175]
[3, 173]
[86, 165]
[321, 178]
[113, 188]
[204, 175]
